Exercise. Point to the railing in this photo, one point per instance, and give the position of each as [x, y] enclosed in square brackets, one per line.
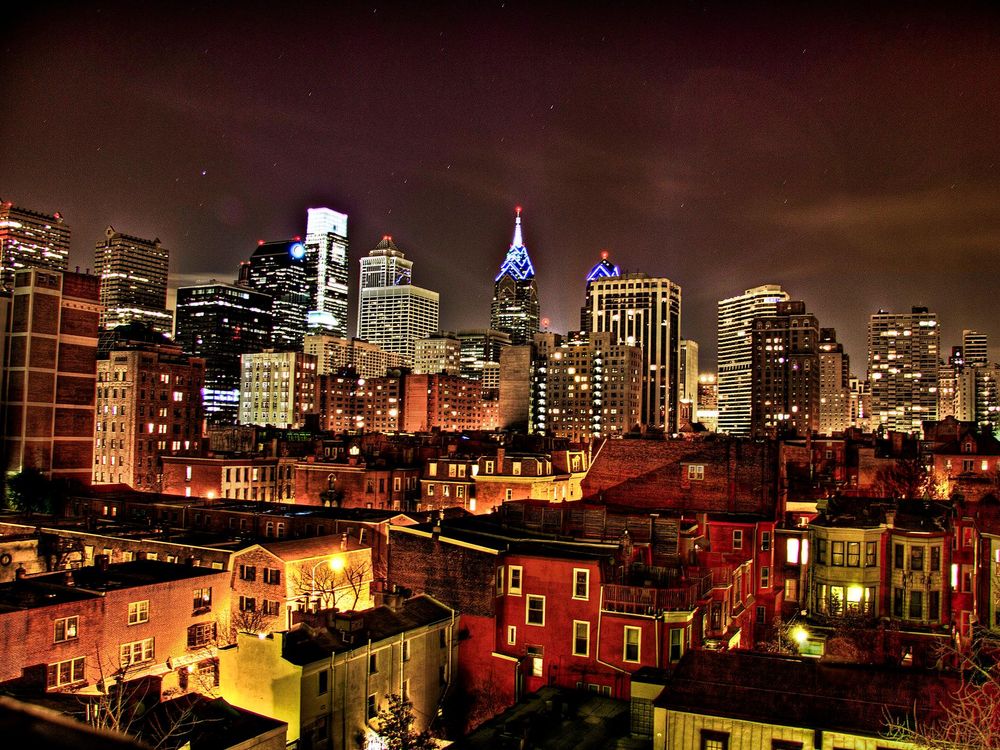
[643, 600]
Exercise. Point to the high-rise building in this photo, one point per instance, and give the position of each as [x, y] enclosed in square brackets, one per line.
[50, 373]
[334, 353]
[735, 355]
[327, 268]
[834, 384]
[133, 274]
[603, 269]
[148, 406]
[593, 388]
[393, 313]
[278, 269]
[903, 351]
[479, 347]
[785, 380]
[975, 348]
[31, 239]
[708, 401]
[688, 380]
[449, 403]
[440, 353]
[219, 322]
[644, 311]
[278, 388]
[515, 307]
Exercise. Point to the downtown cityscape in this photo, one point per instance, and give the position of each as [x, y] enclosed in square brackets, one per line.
[641, 390]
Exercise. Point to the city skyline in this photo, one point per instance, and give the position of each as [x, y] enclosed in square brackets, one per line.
[711, 147]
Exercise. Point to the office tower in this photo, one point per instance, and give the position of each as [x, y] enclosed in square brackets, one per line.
[834, 384]
[441, 353]
[277, 388]
[479, 347]
[133, 274]
[785, 382]
[903, 350]
[592, 386]
[334, 353]
[31, 239]
[735, 355]
[688, 380]
[449, 403]
[975, 348]
[515, 294]
[646, 312]
[50, 374]
[219, 322]
[393, 313]
[603, 269]
[708, 401]
[278, 269]
[326, 271]
[148, 406]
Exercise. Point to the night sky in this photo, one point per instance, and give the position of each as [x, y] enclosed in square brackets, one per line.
[852, 158]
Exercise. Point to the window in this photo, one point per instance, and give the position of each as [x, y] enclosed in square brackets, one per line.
[248, 604]
[488, 467]
[430, 490]
[581, 583]
[738, 539]
[935, 559]
[714, 740]
[837, 553]
[534, 611]
[138, 612]
[373, 662]
[372, 708]
[203, 598]
[136, 652]
[66, 628]
[897, 556]
[271, 608]
[761, 615]
[916, 558]
[871, 554]
[322, 682]
[499, 581]
[631, 644]
[508, 494]
[676, 643]
[933, 605]
[516, 468]
[897, 602]
[821, 551]
[200, 634]
[581, 638]
[511, 635]
[916, 605]
[248, 572]
[765, 541]
[853, 554]
[765, 577]
[696, 472]
[65, 672]
[405, 692]
[272, 576]
[785, 745]
[514, 584]
[535, 654]
[792, 551]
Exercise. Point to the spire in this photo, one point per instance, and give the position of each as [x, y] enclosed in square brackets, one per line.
[518, 241]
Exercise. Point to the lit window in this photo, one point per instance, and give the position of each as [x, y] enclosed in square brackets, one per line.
[66, 628]
[136, 652]
[792, 551]
[138, 612]
[696, 472]
[65, 672]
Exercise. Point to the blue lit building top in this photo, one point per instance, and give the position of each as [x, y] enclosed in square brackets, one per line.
[604, 269]
[517, 264]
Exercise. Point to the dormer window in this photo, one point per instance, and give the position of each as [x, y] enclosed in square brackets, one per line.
[968, 446]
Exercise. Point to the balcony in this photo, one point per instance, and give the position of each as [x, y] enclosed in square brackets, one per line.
[643, 600]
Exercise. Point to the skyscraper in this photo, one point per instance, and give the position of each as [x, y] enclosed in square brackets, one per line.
[440, 353]
[603, 269]
[688, 380]
[278, 269]
[785, 380]
[644, 311]
[834, 384]
[736, 316]
[219, 322]
[903, 350]
[31, 239]
[515, 294]
[133, 274]
[393, 313]
[479, 346]
[975, 348]
[326, 271]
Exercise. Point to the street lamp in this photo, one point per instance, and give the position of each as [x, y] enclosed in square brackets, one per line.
[336, 564]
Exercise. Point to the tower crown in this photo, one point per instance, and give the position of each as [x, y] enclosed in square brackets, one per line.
[517, 264]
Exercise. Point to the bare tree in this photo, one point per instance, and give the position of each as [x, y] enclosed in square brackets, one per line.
[333, 585]
[906, 479]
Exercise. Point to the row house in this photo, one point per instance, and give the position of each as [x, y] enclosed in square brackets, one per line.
[272, 580]
[252, 478]
[356, 483]
[449, 482]
[964, 459]
[81, 629]
[329, 676]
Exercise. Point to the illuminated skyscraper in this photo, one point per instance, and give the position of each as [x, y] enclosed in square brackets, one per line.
[975, 348]
[278, 269]
[903, 368]
[604, 269]
[736, 316]
[133, 274]
[391, 311]
[30, 239]
[688, 380]
[643, 311]
[834, 384]
[515, 296]
[326, 267]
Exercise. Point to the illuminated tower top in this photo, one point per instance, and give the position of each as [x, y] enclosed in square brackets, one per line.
[604, 269]
[515, 296]
[517, 264]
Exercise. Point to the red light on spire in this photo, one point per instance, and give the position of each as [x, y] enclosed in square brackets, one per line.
[297, 238]
[260, 242]
[387, 237]
[518, 210]
[604, 254]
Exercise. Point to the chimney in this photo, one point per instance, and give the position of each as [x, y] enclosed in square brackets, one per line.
[501, 454]
[68, 578]
[890, 518]
[343, 541]
[101, 562]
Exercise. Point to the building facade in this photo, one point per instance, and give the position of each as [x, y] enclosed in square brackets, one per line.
[31, 239]
[334, 353]
[279, 270]
[688, 380]
[133, 274]
[277, 388]
[515, 308]
[327, 266]
[834, 384]
[438, 354]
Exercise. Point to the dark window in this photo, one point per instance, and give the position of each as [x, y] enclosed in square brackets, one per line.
[897, 602]
[373, 663]
[642, 717]
[897, 561]
[785, 745]
[837, 554]
[272, 576]
[933, 605]
[935, 558]
[372, 707]
[248, 572]
[916, 558]
[200, 634]
[714, 740]
[323, 682]
[916, 605]
[821, 551]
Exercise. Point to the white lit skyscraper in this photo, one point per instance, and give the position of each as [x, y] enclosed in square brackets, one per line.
[391, 311]
[133, 275]
[30, 239]
[735, 381]
[326, 271]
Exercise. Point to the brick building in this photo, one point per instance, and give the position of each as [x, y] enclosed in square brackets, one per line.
[504, 476]
[277, 388]
[449, 403]
[230, 477]
[148, 406]
[49, 374]
[356, 483]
